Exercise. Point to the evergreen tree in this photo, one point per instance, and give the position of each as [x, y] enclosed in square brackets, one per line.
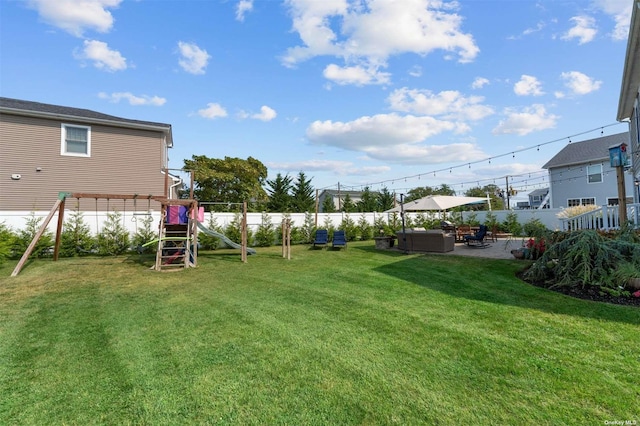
[266, 233]
[113, 239]
[143, 235]
[328, 206]
[368, 202]
[279, 190]
[385, 200]
[7, 238]
[348, 205]
[209, 242]
[364, 228]
[303, 195]
[307, 230]
[76, 238]
[25, 236]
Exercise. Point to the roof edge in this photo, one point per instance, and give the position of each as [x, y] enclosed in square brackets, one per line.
[164, 128]
[630, 76]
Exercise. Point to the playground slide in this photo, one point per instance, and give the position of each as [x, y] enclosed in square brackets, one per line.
[224, 238]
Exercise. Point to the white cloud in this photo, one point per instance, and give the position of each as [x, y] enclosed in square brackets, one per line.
[266, 114]
[620, 12]
[449, 104]
[76, 16]
[427, 154]
[539, 26]
[193, 59]
[579, 83]
[528, 86]
[529, 119]
[103, 58]
[368, 32]
[243, 7]
[342, 168]
[133, 99]
[391, 137]
[584, 29]
[415, 71]
[479, 83]
[212, 111]
[355, 75]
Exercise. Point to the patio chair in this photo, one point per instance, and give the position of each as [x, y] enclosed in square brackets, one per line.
[339, 239]
[477, 240]
[463, 231]
[322, 237]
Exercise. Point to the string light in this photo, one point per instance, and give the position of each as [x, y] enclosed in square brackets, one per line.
[489, 159]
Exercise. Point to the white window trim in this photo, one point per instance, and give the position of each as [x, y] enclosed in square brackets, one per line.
[601, 173]
[581, 199]
[63, 140]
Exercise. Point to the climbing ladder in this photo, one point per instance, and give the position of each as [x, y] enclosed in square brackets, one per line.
[176, 244]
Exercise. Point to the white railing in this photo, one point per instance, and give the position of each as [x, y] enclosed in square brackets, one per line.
[605, 218]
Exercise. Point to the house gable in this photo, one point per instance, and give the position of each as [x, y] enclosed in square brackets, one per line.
[570, 170]
[592, 150]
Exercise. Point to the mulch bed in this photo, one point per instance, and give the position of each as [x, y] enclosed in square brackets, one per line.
[587, 293]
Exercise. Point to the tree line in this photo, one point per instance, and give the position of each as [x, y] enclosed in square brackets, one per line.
[235, 180]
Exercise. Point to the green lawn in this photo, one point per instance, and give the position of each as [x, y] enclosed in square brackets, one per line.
[355, 336]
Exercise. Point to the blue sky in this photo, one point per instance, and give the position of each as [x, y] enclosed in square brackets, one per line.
[398, 94]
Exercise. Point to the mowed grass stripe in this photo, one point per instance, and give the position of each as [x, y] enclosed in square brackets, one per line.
[349, 336]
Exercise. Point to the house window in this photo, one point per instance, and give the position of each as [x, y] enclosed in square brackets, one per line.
[594, 173]
[572, 202]
[76, 140]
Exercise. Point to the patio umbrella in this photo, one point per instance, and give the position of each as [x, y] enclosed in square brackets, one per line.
[437, 202]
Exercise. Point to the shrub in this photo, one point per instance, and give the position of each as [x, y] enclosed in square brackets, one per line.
[76, 238]
[512, 225]
[472, 219]
[208, 242]
[306, 233]
[535, 228]
[113, 238]
[7, 241]
[143, 235]
[584, 258]
[266, 233]
[364, 229]
[491, 220]
[233, 231]
[328, 225]
[349, 228]
[25, 236]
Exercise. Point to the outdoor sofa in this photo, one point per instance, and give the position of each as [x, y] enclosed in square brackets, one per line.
[420, 240]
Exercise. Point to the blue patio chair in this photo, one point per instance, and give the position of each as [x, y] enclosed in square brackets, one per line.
[322, 238]
[339, 239]
[477, 239]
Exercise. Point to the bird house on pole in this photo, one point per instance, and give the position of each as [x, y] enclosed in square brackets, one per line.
[618, 159]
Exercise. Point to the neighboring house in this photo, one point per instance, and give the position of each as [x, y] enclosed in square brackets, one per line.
[47, 149]
[628, 108]
[537, 196]
[581, 174]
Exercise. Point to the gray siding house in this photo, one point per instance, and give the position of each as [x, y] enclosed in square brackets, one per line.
[581, 174]
[628, 103]
[537, 196]
[47, 149]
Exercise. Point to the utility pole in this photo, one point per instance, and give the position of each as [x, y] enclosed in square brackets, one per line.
[507, 193]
